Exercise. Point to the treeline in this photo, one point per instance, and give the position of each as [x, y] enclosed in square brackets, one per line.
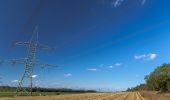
[7, 89]
[39, 89]
[140, 87]
[158, 80]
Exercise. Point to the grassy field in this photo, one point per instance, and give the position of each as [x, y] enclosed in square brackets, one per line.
[11, 94]
[144, 95]
[86, 96]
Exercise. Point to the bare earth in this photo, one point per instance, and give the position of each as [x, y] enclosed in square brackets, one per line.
[86, 96]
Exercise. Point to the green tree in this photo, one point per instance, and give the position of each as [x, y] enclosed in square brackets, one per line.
[159, 79]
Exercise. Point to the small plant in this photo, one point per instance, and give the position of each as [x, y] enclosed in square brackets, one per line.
[58, 93]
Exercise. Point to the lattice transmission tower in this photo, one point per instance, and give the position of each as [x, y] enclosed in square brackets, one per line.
[29, 62]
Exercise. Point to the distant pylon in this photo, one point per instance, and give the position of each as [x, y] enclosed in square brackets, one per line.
[29, 63]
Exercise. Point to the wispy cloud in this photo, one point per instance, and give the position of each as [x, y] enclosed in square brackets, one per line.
[104, 67]
[115, 65]
[101, 65]
[14, 81]
[111, 66]
[67, 74]
[118, 64]
[143, 2]
[117, 3]
[92, 69]
[34, 76]
[150, 56]
[56, 83]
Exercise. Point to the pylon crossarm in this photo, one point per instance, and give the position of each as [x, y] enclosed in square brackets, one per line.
[15, 61]
[41, 46]
[22, 43]
[43, 65]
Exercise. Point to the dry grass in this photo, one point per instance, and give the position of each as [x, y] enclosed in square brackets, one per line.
[150, 95]
[145, 95]
[86, 96]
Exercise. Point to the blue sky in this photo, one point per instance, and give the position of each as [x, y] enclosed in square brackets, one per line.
[106, 44]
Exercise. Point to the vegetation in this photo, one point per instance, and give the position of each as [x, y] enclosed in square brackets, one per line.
[138, 88]
[158, 80]
[10, 91]
[38, 89]
[7, 89]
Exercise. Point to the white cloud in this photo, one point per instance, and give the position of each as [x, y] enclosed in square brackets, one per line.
[143, 2]
[150, 56]
[115, 65]
[14, 81]
[110, 66]
[118, 64]
[34, 76]
[67, 74]
[92, 69]
[117, 3]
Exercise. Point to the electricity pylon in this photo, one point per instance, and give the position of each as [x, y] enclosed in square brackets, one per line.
[29, 63]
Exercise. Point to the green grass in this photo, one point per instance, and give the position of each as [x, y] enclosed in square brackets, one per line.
[6, 94]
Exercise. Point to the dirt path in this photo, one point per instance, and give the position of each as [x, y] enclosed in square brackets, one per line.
[131, 96]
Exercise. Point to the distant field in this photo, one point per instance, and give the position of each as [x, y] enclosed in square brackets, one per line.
[97, 96]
